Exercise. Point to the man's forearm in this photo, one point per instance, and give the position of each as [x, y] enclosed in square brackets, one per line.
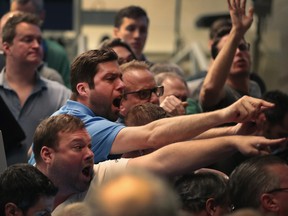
[184, 157]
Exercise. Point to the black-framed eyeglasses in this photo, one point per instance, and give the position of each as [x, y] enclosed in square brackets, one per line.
[145, 94]
[244, 46]
[278, 190]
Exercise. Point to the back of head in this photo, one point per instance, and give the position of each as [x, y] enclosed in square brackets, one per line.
[167, 67]
[196, 188]
[132, 12]
[276, 114]
[251, 179]
[85, 66]
[24, 185]
[46, 133]
[135, 193]
[144, 113]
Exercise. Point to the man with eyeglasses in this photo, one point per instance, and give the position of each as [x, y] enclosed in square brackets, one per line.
[228, 78]
[261, 183]
[141, 87]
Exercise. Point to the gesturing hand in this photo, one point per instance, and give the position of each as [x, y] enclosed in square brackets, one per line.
[241, 21]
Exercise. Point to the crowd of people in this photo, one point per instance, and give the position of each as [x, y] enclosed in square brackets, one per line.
[125, 136]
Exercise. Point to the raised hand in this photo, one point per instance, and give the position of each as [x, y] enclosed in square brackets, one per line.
[241, 21]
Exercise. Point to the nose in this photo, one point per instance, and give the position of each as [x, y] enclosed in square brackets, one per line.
[89, 154]
[154, 99]
[120, 85]
[136, 33]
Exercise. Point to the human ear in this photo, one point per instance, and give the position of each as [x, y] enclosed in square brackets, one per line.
[269, 202]
[210, 206]
[82, 88]
[115, 31]
[46, 154]
[11, 209]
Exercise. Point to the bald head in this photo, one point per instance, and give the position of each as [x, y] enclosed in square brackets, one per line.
[135, 193]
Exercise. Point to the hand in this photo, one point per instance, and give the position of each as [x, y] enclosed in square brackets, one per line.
[174, 106]
[246, 128]
[258, 145]
[246, 109]
[240, 21]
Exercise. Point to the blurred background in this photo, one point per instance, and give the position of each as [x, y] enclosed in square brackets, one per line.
[178, 31]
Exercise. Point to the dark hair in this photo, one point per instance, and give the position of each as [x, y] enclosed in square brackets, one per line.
[218, 35]
[219, 25]
[23, 185]
[132, 12]
[251, 179]
[8, 31]
[115, 42]
[194, 190]
[276, 114]
[46, 133]
[85, 66]
[142, 114]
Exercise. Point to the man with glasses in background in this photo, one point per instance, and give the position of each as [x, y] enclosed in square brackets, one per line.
[261, 183]
[97, 91]
[228, 78]
[141, 87]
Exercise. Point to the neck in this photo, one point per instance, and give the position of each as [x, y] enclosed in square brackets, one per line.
[20, 74]
[62, 195]
[239, 82]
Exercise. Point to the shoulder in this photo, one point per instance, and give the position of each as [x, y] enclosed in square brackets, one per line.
[55, 87]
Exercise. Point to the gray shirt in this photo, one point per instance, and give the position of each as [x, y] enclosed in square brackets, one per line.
[46, 97]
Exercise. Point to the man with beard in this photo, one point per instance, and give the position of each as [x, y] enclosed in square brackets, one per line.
[62, 148]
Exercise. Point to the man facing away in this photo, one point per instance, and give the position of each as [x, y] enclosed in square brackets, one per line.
[261, 183]
[25, 191]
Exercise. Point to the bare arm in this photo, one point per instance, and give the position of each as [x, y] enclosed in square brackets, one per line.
[212, 91]
[180, 157]
[170, 130]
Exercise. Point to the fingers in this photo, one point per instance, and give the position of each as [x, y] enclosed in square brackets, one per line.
[173, 105]
[243, 5]
[249, 108]
[251, 12]
[265, 146]
[184, 104]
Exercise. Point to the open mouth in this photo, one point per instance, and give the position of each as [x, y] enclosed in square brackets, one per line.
[117, 101]
[87, 171]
